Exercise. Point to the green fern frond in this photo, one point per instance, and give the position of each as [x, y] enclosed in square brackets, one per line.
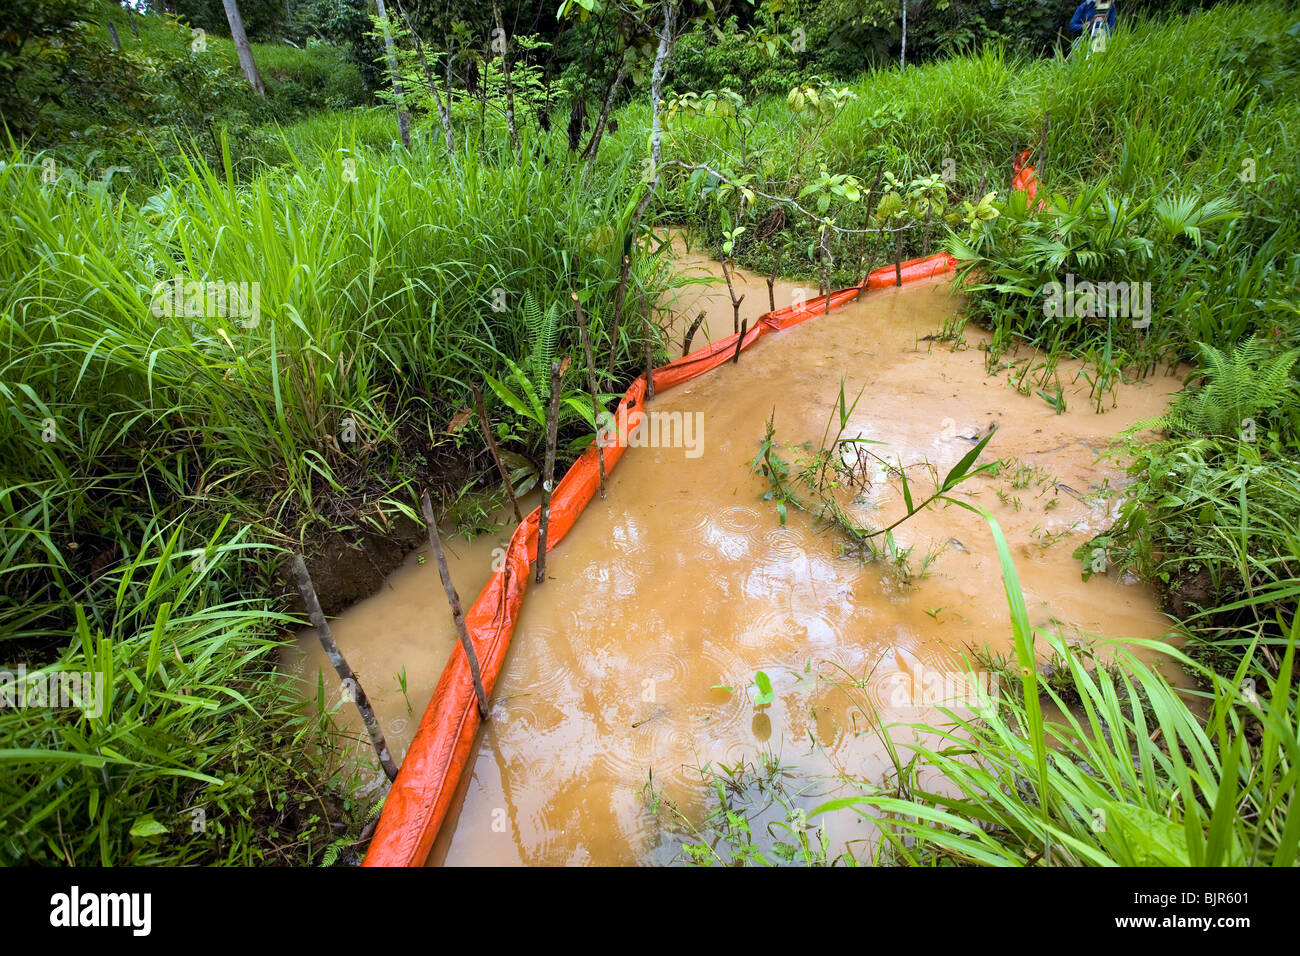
[1246, 384]
[543, 335]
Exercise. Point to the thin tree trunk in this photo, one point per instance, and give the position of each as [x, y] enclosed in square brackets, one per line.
[245, 52]
[866, 222]
[444, 114]
[112, 32]
[649, 350]
[731, 292]
[665, 50]
[505, 69]
[666, 40]
[346, 675]
[656, 91]
[902, 53]
[403, 118]
[496, 455]
[619, 295]
[593, 144]
[823, 257]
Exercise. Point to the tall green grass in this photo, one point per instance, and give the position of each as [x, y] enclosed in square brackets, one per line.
[378, 275]
[191, 748]
[390, 282]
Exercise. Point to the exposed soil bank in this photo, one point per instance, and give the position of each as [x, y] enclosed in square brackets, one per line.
[347, 566]
[683, 580]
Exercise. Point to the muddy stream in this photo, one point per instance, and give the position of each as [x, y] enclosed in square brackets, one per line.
[683, 582]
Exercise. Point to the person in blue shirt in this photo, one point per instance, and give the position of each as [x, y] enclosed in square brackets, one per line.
[1086, 11]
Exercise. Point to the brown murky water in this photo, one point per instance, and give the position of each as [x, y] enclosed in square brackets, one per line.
[683, 580]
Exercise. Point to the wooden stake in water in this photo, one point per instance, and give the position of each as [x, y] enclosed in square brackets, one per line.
[591, 381]
[349, 679]
[735, 303]
[898, 257]
[690, 334]
[771, 280]
[457, 615]
[552, 425]
[496, 455]
[649, 350]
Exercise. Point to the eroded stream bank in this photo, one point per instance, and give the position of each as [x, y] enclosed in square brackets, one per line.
[683, 579]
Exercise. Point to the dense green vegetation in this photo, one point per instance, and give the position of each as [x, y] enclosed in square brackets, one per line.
[159, 463]
[101, 110]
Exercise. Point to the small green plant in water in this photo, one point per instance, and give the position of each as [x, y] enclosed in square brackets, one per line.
[755, 819]
[811, 482]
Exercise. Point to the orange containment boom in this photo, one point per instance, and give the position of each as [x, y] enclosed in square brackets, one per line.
[425, 785]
